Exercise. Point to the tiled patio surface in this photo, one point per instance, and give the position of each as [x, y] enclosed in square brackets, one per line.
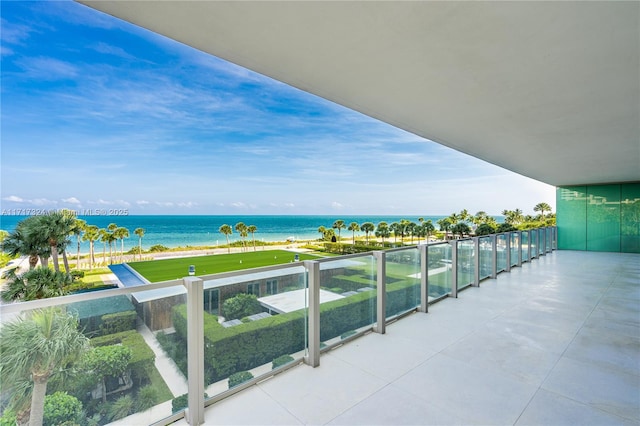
[554, 342]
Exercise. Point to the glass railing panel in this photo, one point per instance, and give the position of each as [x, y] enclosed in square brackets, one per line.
[486, 257]
[541, 241]
[402, 281]
[549, 232]
[254, 322]
[524, 254]
[501, 252]
[348, 297]
[515, 248]
[112, 367]
[466, 263]
[439, 270]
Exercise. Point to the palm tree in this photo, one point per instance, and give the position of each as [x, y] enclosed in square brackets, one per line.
[427, 229]
[367, 227]
[22, 241]
[252, 229]
[91, 234]
[411, 230]
[382, 231]
[542, 207]
[140, 233]
[37, 347]
[513, 217]
[38, 283]
[445, 225]
[110, 238]
[395, 228]
[54, 227]
[226, 230]
[242, 230]
[121, 233]
[322, 230]
[78, 229]
[353, 227]
[104, 238]
[404, 224]
[338, 224]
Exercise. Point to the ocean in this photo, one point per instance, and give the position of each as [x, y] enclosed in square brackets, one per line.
[182, 231]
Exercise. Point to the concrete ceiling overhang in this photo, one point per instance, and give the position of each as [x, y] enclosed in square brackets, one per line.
[550, 90]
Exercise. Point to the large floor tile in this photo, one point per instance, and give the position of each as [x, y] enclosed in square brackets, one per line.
[317, 395]
[548, 408]
[607, 350]
[606, 389]
[394, 406]
[476, 395]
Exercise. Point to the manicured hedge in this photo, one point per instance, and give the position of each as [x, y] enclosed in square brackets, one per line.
[142, 357]
[91, 315]
[248, 345]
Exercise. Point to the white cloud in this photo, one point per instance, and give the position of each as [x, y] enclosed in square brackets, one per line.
[122, 203]
[188, 204]
[336, 205]
[15, 199]
[71, 200]
[290, 205]
[142, 202]
[164, 203]
[239, 204]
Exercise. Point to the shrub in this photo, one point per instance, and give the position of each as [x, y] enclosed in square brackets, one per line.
[77, 274]
[60, 408]
[142, 357]
[485, 229]
[146, 398]
[180, 402]
[241, 306]
[158, 248]
[280, 361]
[118, 322]
[121, 408]
[239, 378]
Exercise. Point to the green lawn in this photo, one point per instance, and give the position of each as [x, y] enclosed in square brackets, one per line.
[171, 269]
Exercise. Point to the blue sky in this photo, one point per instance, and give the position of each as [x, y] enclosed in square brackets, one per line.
[100, 114]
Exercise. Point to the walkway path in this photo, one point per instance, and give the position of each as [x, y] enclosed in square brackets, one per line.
[166, 367]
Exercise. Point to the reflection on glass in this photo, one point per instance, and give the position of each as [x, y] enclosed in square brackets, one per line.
[402, 281]
[515, 248]
[466, 263]
[501, 252]
[439, 267]
[253, 322]
[348, 297]
[486, 257]
[524, 254]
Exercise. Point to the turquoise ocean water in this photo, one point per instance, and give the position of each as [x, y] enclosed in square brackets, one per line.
[182, 231]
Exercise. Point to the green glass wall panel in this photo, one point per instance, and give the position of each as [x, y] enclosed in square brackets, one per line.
[571, 217]
[599, 217]
[603, 218]
[630, 218]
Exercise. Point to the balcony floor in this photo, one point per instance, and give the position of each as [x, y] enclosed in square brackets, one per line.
[556, 341]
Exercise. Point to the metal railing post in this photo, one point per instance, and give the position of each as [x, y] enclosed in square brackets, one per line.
[476, 262]
[454, 267]
[313, 332]
[195, 350]
[530, 253]
[424, 278]
[494, 256]
[507, 241]
[519, 248]
[381, 290]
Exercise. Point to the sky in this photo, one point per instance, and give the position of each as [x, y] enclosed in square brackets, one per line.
[101, 115]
